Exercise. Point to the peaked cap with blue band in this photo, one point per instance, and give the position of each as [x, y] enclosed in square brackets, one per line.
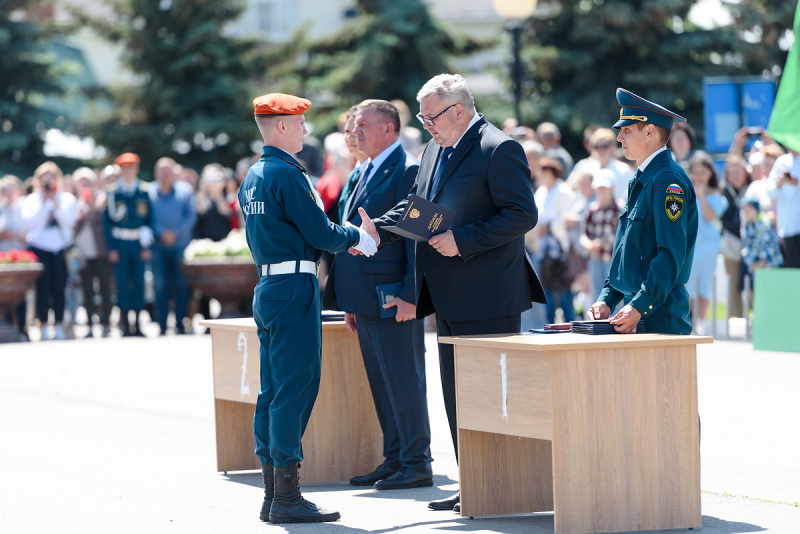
[637, 109]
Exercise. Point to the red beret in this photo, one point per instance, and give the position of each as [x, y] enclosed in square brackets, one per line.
[128, 158]
[280, 104]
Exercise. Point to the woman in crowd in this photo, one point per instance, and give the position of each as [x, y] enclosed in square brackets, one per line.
[90, 244]
[213, 209]
[710, 205]
[682, 141]
[12, 235]
[736, 179]
[760, 247]
[554, 199]
[599, 229]
[50, 215]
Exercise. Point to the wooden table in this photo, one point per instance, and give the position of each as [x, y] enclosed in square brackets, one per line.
[601, 429]
[343, 437]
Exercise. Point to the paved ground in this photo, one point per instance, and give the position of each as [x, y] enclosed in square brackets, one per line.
[117, 436]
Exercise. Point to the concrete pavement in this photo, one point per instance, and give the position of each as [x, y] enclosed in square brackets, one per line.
[117, 436]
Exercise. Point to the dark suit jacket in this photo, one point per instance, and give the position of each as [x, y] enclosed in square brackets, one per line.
[354, 278]
[487, 183]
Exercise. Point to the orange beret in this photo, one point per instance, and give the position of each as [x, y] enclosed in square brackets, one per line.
[280, 104]
[128, 158]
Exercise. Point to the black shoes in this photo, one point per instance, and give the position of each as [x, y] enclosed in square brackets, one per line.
[405, 478]
[288, 506]
[383, 471]
[268, 475]
[457, 508]
[446, 504]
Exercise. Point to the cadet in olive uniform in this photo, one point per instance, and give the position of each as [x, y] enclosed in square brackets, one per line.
[655, 239]
[127, 225]
[287, 231]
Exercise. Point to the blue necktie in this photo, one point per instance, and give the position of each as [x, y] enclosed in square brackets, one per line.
[362, 182]
[442, 162]
[633, 182]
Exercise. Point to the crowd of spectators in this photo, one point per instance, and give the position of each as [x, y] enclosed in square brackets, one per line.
[746, 218]
[60, 218]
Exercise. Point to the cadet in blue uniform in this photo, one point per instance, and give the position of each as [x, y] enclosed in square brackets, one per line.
[127, 225]
[287, 231]
[655, 239]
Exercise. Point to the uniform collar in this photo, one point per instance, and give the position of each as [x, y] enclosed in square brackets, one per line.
[650, 158]
[282, 154]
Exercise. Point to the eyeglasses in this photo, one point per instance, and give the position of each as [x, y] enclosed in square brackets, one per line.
[429, 121]
[601, 146]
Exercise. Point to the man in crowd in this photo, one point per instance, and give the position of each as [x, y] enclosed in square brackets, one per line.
[783, 186]
[549, 136]
[287, 231]
[393, 348]
[127, 225]
[654, 246]
[475, 276]
[174, 217]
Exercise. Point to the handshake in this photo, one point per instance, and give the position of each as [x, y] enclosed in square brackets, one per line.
[368, 244]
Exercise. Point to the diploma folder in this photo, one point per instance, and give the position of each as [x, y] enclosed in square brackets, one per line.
[600, 327]
[386, 294]
[422, 220]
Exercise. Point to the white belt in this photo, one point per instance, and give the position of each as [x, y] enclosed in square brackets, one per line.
[126, 234]
[289, 267]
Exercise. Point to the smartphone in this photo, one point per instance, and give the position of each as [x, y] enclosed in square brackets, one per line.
[755, 131]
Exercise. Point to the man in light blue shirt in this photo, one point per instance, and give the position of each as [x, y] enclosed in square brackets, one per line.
[174, 216]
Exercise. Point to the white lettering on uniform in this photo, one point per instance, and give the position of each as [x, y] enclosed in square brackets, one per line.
[252, 207]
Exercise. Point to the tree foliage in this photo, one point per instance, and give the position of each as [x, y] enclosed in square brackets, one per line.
[388, 51]
[193, 101]
[28, 77]
[580, 52]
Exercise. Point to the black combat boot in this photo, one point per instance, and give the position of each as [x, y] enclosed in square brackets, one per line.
[124, 326]
[268, 474]
[288, 506]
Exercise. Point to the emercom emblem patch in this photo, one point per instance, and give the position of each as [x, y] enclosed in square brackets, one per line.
[674, 207]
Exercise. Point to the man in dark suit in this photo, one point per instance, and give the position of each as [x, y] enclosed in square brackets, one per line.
[393, 348]
[476, 276]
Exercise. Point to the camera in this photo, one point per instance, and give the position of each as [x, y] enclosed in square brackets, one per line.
[49, 186]
[754, 131]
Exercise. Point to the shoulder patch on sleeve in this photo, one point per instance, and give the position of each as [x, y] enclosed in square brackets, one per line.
[674, 206]
[674, 189]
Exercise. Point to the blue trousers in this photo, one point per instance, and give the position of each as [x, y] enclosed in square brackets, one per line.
[560, 299]
[170, 284]
[129, 275]
[286, 309]
[394, 358]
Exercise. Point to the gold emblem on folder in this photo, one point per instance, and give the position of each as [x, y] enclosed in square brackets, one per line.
[414, 213]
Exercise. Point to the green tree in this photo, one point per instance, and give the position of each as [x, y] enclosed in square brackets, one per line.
[763, 27]
[389, 50]
[580, 52]
[28, 77]
[192, 101]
